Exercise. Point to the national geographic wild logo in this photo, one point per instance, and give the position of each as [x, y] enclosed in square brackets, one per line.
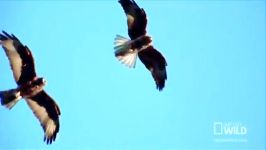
[230, 132]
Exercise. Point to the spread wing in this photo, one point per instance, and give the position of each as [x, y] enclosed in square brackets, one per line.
[47, 111]
[20, 58]
[136, 18]
[156, 63]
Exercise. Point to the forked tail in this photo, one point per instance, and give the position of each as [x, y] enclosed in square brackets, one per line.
[9, 98]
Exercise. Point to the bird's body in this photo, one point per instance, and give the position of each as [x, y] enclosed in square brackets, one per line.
[140, 44]
[29, 86]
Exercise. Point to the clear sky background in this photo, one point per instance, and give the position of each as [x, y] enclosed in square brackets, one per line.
[216, 74]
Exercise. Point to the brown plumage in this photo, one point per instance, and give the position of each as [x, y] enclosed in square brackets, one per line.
[30, 87]
[140, 44]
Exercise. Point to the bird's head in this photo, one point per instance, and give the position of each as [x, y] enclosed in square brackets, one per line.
[40, 82]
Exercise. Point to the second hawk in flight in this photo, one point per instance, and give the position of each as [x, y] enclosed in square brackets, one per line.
[140, 44]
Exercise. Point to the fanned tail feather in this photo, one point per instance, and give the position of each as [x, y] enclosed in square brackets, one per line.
[122, 45]
[9, 98]
[123, 51]
[129, 59]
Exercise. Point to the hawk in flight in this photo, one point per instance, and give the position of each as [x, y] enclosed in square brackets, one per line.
[29, 86]
[140, 44]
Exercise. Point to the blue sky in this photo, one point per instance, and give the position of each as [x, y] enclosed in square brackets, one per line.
[216, 75]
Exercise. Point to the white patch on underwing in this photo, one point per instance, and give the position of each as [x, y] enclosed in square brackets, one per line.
[13, 57]
[41, 113]
[130, 21]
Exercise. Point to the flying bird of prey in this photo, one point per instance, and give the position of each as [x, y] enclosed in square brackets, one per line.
[29, 86]
[140, 44]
